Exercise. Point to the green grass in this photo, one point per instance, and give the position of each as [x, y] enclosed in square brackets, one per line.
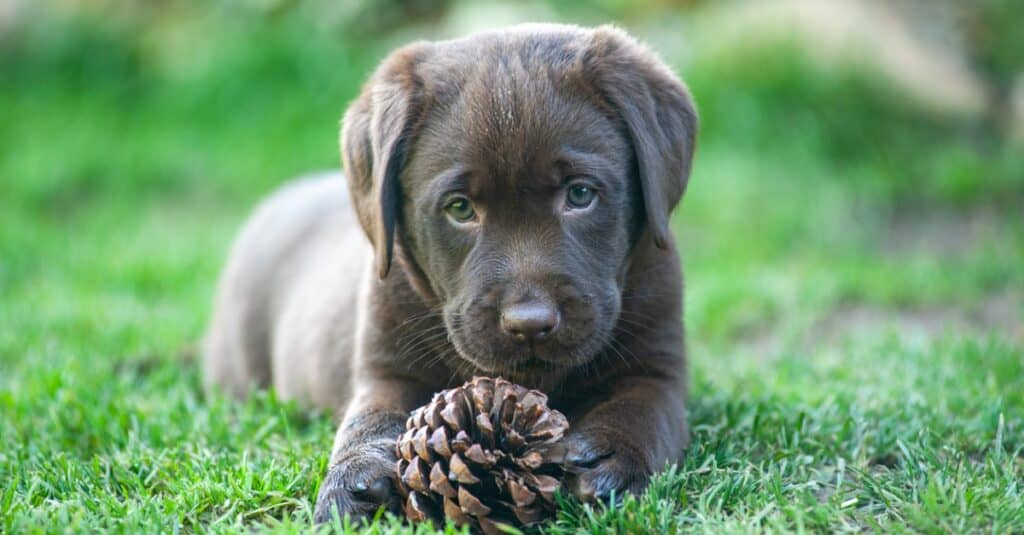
[847, 369]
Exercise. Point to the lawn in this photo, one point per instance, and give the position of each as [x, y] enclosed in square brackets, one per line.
[854, 268]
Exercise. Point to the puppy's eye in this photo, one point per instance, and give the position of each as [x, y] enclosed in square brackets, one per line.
[579, 196]
[460, 209]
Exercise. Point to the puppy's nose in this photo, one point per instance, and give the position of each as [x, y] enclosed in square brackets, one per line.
[529, 321]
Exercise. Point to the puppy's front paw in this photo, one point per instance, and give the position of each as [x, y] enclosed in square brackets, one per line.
[601, 462]
[360, 483]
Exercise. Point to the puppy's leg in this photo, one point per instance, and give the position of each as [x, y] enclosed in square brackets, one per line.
[619, 443]
[361, 476]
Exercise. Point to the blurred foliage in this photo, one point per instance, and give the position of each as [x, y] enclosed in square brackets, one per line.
[78, 52]
[995, 45]
[775, 96]
[624, 10]
[239, 65]
[186, 102]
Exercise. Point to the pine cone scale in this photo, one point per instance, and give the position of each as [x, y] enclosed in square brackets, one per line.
[439, 482]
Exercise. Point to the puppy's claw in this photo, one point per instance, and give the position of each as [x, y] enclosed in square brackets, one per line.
[380, 490]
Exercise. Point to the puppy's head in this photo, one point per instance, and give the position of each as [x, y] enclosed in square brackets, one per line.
[517, 171]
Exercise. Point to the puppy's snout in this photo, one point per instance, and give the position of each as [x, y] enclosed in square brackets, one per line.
[531, 321]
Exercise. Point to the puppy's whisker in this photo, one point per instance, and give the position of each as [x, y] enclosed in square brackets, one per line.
[422, 343]
[416, 338]
[461, 371]
[635, 314]
[628, 316]
[443, 356]
[628, 323]
[415, 318]
[620, 346]
[438, 358]
[425, 358]
[638, 319]
[611, 345]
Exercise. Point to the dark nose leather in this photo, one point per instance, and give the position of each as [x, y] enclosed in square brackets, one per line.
[530, 321]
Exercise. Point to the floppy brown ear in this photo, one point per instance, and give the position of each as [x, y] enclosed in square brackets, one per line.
[375, 137]
[658, 113]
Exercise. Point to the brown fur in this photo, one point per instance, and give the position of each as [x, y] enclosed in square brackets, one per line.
[509, 119]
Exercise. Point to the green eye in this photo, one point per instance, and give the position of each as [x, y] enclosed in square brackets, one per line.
[579, 196]
[460, 209]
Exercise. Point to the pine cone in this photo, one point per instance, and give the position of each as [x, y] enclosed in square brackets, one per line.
[478, 455]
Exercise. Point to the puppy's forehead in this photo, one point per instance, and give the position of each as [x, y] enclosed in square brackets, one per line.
[509, 107]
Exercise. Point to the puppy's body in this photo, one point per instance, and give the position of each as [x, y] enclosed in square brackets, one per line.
[286, 308]
[515, 188]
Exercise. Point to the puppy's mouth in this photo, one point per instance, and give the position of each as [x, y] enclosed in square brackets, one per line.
[504, 360]
[520, 361]
[535, 363]
[531, 371]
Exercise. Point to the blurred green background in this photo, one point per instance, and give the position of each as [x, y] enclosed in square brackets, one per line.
[853, 237]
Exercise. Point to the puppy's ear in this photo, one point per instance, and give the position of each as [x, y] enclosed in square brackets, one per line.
[657, 112]
[376, 134]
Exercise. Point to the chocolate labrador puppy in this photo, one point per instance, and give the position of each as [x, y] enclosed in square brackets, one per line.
[515, 188]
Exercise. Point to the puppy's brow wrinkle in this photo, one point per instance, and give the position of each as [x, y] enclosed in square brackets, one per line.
[582, 162]
[455, 179]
